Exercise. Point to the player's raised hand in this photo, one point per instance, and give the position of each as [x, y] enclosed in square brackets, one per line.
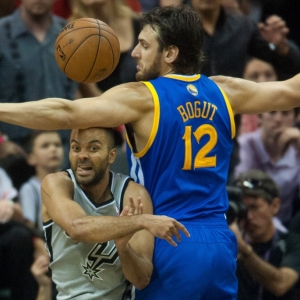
[165, 228]
[134, 208]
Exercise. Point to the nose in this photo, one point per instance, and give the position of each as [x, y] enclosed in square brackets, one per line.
[82, 155]
[277, 116]
[134, 52]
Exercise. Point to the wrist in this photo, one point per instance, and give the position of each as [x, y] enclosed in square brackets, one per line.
[283, 49]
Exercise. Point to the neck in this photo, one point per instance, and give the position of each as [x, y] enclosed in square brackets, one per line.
[37, 24]
[168, 70]
[209, 20]
[100, 192]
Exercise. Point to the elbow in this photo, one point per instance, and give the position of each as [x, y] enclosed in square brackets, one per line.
[280, 290]
[142, 282]
[76, 231]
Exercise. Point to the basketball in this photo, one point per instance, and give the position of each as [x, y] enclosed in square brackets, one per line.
[87, 50]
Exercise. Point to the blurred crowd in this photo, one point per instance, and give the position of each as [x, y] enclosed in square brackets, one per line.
[256, 40]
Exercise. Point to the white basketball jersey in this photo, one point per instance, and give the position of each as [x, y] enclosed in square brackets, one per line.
[87, 271]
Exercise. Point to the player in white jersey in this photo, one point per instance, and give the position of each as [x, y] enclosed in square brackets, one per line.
[95, 251]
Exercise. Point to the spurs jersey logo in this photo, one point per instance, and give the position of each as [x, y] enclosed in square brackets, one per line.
[105, 253]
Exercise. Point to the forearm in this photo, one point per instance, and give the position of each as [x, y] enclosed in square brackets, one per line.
[137, 269]
[276, 280]
[48, 114]
[44, 292]
[92, 229]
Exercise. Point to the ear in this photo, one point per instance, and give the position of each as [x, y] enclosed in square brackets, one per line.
[112, 155]
[171, 54]
[275, 205]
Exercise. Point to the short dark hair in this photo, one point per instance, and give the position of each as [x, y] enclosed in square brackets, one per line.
[28, 146]
[111, 135]
[178, 26]
[258, 184]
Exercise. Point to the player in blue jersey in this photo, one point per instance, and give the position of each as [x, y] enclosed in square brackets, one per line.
[179, 132]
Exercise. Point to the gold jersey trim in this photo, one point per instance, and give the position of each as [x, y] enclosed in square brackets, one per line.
[184, 77]
[231, 115]
[155, 121]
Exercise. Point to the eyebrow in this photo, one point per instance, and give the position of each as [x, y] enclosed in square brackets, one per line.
[90, 142]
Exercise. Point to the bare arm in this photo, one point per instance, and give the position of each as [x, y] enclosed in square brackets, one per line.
[58, 205]
[135, 251]
[276, 280]
[120, 105]
[253, 98]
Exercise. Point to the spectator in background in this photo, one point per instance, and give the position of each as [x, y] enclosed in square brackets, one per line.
[230, 38]
[268, 265]
[259, 10]
[45, 154]
[28, 70]
[275, 149]
[16, 245]
[39, 270]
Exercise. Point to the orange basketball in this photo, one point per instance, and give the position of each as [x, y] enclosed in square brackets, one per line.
[87, 50]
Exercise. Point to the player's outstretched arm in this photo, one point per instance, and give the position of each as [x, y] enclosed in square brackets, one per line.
[58, 205]
[120, 105]
[252, 98]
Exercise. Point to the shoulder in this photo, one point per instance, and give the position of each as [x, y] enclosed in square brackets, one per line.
[239, 19]
[55, 178]
[137, 189]
[5, 19]
[60, 20]
[131, 91]
[30, 183]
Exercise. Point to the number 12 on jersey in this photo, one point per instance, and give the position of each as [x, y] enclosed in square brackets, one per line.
[202, 158]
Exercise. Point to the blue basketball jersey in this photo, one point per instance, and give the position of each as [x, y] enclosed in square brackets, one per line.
[184, 165]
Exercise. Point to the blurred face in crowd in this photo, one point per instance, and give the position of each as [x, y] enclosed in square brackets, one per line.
[259, 224]
[259, 71]
[90, 155]
[37, 8]
[206, 5]
[150, 61]
[47, 152]
[273, 122]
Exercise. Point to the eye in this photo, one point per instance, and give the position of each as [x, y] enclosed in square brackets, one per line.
[94, 148]
[75, 148]
[144, 45]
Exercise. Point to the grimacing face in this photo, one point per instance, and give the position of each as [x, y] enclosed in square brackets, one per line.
[150, 62]
[89, 155]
